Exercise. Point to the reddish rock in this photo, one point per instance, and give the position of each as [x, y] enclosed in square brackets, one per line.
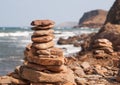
[52, 68]
[93, 19]
[41, 28]
[51, 51]
[42, 23]
[114, 13]
[112, 33]
[5, 80]
[42, 39]
[43, 32]
[37, 76]
[43, 46]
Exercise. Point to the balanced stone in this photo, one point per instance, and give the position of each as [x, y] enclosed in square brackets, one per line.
[97, 45]
[42, 39]
[41, 28]
[52, 68]
[42, 23]
[52, 51]
[43, 46]
[46, 61]
[43, 32]
[37, 76]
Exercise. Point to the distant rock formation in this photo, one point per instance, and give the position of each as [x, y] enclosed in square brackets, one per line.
[93, 19]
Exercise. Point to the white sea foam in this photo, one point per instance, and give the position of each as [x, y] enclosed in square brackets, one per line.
[15, 34]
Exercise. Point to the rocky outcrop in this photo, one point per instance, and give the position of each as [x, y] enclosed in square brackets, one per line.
[113, 16]
[44, 64]
[93, 19]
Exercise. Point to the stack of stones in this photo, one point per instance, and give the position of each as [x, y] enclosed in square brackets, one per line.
[44, 64]
[102, 46]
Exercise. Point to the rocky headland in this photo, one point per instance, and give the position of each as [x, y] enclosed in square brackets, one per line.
[92, 19]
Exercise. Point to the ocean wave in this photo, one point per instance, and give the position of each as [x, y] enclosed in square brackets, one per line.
[15, 34]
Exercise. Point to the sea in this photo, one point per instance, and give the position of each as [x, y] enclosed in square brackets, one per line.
[13, 41]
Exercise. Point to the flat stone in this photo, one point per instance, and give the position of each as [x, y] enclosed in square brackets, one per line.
[39, 77]
[51, 51]
[103, 41]
[41, 84]
[68, 83]
[42, 39]
[46, 61]
[18, 81]
[97, 45]
[5, 80]
[42, 23]
[107, 49]
[79, 72]
[81, 81]
[42, 28]
[43, 32]
[85, 65]
[43, 46]
[43, 61]
[50, 68]
[50, 56]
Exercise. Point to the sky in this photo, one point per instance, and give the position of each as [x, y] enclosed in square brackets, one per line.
[22, 12]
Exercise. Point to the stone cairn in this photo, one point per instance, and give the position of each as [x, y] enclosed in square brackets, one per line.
[44, 64]
[102, 47]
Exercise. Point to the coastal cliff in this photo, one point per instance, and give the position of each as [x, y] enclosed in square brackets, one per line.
[93, 19]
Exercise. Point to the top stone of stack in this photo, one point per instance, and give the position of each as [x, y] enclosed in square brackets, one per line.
[42, 24]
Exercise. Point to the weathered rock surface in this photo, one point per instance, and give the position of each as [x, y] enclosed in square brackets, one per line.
[36, 76]
[43, 32]
[113, 16]
[93, 19]
[42, 23]
[43, 46]
[112, 33]
[43, 39]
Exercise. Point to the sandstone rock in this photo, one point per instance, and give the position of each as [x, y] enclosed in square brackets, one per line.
[79, 72]
[98, 45]
[114, 13]
[81, 81]
[49, 56]
[52, 51]
[110, 32]
[43, 32]
[118, 76]
[43, 46]
[68, 83]
[100, 70]
[46, 61]
[5, 80]
[93, 19]
[43, 61]
[85, 65]
[18, 81]
[36, 76]
[99, 52]
[42, 23]
[42, 68]
[107, 50]
[41, 28]
[42, 39]
[103, 41]
[42, 84]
